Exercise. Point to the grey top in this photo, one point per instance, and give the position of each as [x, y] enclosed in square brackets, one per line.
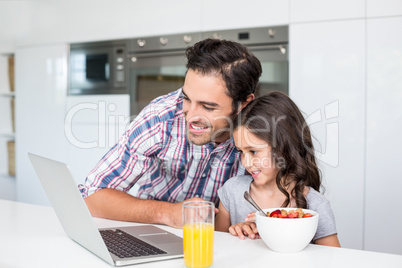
[231, 197]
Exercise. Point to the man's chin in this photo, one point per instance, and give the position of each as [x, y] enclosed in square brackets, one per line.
[198, 139]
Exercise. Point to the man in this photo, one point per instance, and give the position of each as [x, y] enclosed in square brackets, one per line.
[179, 147]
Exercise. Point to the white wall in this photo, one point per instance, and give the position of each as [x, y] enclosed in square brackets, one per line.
[341, 52]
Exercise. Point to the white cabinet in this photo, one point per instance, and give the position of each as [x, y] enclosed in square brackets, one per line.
[79, 21]
[93, 124]
[319, 10]
[327, 81]
[46, 23]
[105, 19]
[14, 23]
[218, 15]
[381, 8]
[41, 89]
[384, 127]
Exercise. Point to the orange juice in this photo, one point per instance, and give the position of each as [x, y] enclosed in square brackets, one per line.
[198, 243]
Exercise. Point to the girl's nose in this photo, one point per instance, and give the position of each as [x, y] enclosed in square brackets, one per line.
[246, 160]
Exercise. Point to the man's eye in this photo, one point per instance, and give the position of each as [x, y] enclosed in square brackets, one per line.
[208, 108]
[186, 98]
[253, 152]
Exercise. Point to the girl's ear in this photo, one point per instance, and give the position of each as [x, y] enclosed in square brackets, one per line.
[249, 98]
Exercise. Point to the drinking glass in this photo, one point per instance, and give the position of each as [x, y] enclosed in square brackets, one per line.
[198, 233]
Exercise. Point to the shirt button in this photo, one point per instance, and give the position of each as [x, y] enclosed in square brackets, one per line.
[204, 175]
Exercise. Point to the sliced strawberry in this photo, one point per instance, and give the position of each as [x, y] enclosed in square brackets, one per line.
[282, 216]
[307, 215]
[275, 213]
[293, 215]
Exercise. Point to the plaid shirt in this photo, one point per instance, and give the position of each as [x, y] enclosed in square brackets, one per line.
[154, 159]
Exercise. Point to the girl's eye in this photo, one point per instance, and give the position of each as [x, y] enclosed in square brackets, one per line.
[253, 152]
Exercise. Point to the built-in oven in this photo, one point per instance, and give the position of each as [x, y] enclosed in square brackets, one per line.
[157, 64]
[98, 68]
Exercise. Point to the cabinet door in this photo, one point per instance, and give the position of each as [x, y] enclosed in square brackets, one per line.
[316, 10]
[384, 127]
[219, 15]
[327, 81]
[381, 8]
[41, 90]
[94, 124]
[104, 19]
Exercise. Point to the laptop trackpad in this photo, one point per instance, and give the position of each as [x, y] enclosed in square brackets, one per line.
[161, 238]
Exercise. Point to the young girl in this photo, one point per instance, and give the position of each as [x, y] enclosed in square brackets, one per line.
[277, 151]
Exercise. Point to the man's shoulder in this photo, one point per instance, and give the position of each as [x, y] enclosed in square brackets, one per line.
[161, 113]
[168, 105]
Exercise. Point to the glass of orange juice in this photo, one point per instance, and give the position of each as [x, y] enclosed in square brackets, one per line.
[198, 233]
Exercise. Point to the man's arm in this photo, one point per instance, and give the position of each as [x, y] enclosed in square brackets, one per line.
[118, 205]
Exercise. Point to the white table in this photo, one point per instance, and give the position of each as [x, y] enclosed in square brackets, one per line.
[31, 236]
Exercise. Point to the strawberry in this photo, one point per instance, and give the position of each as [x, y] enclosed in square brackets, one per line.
[282, 216]
[293, 215]
[307, 215]
[275, 213]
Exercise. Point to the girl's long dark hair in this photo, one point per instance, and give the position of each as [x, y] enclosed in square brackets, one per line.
[276, 119]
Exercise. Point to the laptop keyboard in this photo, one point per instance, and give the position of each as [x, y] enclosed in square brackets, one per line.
[124, 245]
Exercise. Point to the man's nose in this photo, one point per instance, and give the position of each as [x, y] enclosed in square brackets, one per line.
[191, 111]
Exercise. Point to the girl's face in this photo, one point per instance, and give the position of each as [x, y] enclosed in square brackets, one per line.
[256, 156]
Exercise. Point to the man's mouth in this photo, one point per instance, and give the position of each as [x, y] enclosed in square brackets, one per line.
[197, 129]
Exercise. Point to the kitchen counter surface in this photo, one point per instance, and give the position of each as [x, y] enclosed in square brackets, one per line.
[31, 236]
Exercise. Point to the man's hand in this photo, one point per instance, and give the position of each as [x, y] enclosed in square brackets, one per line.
[174, 214]
[117, 205]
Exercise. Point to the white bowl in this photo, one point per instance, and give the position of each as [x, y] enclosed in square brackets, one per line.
[286, 235]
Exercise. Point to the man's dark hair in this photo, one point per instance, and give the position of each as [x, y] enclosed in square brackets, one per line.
[239, 68]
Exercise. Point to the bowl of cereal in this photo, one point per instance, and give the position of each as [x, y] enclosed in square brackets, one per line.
[287, 230]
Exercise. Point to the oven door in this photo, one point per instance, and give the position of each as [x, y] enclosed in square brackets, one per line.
[153, 75]
[275, 68]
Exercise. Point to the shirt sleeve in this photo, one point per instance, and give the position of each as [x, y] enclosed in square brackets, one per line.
[130, 158]
[223, 194]
[326, 220]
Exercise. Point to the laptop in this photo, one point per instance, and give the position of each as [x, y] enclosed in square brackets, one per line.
[155, 244]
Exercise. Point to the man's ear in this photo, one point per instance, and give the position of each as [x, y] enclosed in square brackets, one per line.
[249, 98]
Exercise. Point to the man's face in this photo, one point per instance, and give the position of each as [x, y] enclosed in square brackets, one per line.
[207, 108]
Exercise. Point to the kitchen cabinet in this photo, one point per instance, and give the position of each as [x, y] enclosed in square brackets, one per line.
[93, 124]
[218, 15]
[327, 81]
[318, 11]
[384, 127]
[41, 73]
[382, 8]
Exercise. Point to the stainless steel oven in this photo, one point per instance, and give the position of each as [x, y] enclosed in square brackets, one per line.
[157, 64]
